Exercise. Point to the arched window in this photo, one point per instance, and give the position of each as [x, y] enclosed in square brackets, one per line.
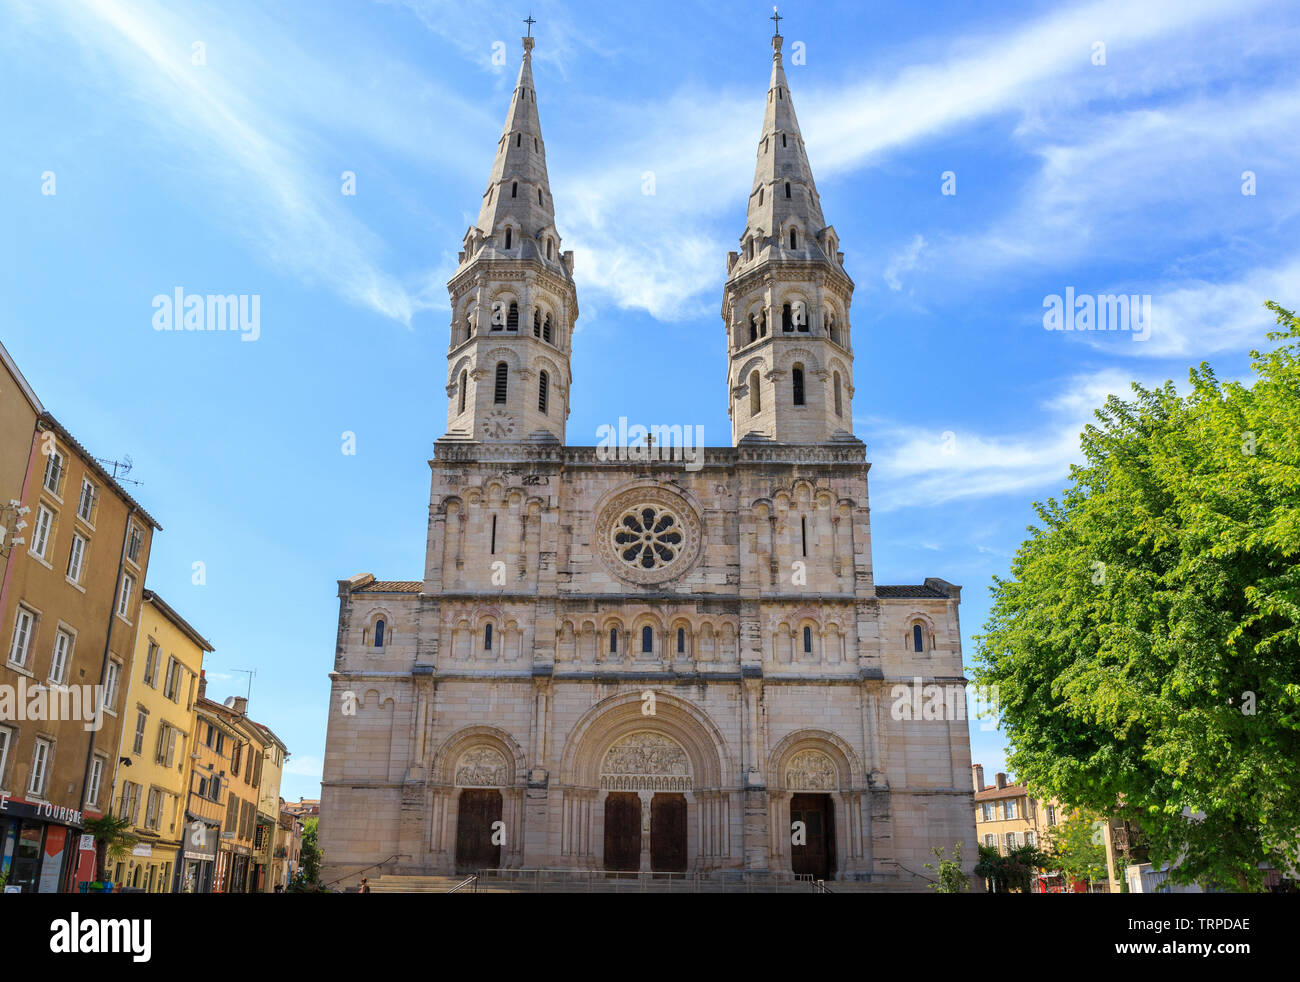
[499, 394]
[760, 196]
[463, 378]
[755, 398]
[796, 376]
[749, 248]
[839, 402]
[514, 189]
[519, 139]
[539, 196]
[794, 239]
[681, 640]
[918, 641]
[787, 319]
[549, 244]
[807, 640]
[487, 637]
[613, 641]
[543, 384]
[831, 327]
[509, 239]
[537, 323]
[536, 149]
[546, 329]
[492, 546]
[787, 184]
[753, 328]
[787, 192]
[512, 318]
[762, 323]
[469, 329]
[803, 533]
[379, 633]
[647, 640]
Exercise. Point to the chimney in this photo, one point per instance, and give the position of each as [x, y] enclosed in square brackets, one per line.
[1002, 780]
[240, 705]
[203, 683]
[977, 773]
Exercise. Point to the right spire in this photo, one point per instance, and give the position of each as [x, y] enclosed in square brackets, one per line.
[787, 297]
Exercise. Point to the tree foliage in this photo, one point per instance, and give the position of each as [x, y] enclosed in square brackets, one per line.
[951, 879]
[1076, 848]
[114, 840]
[1146, 646]
[310, 857]
[1013, 872]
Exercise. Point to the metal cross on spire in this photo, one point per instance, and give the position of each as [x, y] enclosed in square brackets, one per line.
[776, 18]
[530, 22]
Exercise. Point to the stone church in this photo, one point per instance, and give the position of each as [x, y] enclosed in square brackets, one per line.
[617, 662]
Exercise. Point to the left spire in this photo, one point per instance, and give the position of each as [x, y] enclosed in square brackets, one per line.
[519, 189]
[513, 300]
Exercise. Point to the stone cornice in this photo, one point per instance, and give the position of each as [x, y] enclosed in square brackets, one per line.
[473, 452]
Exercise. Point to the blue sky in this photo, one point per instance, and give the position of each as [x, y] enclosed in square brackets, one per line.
[225, 177]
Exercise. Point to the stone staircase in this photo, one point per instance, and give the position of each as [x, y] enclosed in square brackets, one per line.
[585, 881]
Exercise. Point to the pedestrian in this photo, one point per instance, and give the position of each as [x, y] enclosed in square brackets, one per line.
[365, 886]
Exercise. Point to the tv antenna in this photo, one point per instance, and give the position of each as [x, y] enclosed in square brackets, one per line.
[120, 467]
[250, 672]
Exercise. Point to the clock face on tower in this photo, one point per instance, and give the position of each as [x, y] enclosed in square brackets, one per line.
[498, 425]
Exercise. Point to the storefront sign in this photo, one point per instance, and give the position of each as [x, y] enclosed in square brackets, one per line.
[144, 850]
[43, 810]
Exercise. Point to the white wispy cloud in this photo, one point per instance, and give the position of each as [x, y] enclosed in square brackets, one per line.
[253, 137]
[903, 261]
[922, 467]
[700, 146]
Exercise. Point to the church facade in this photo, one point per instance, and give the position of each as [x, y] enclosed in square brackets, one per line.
[619, 659]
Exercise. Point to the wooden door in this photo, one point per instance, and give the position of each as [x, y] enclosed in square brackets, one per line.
[622, 831]
[475, 850]
[668, 833]
[817, 854]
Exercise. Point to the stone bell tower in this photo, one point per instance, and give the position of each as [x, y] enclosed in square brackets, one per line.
[513, 300]
[786, 300]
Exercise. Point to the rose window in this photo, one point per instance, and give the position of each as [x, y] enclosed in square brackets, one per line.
[647, 537]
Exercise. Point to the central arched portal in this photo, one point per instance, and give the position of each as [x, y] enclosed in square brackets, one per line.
[645, 776]
[480, 772]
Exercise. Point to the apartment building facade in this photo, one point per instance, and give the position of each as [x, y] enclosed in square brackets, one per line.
[155, 756]
[74, 552]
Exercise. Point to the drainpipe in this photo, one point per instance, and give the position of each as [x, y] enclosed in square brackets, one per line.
[103, 677]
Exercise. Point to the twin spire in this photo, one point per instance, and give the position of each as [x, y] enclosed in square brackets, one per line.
[519, 192]
[783, 190]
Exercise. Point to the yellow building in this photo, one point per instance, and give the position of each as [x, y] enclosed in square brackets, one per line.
[237, 747]
[269, 874]
[154, 760]
[1006, 817]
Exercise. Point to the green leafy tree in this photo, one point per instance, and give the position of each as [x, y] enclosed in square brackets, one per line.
[951, 879]
[310, 858]
[1146, 646]
[1012, 873]
[114, 840]
[1077, 849]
